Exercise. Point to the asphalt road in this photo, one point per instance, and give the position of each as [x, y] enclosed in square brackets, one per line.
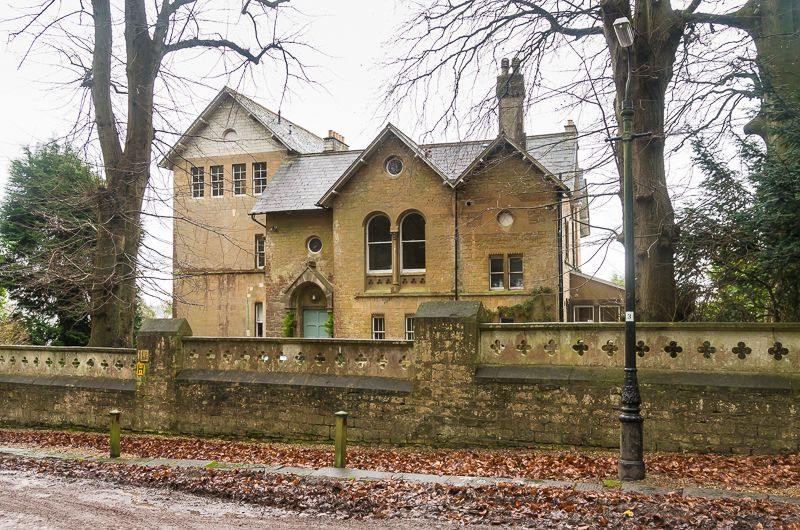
[44, 502]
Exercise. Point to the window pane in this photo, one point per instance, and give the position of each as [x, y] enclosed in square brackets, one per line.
[515, 264]
[413, 228]
[497, 281]
[380, 256]
[414, 255]
[584, 313]
[409, 328]
[259, 177]
[496, 264]
[609, 314]
[239, 176]
[216, 181]
[378, 230]
[515, 280]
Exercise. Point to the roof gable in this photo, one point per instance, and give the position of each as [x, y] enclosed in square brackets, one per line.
[287, 133]
[388, 131]
[502, 141]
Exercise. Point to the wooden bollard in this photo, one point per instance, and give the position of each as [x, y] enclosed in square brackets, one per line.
[114, 441]
[340, 439]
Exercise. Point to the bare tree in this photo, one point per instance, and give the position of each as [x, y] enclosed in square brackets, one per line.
[124, 79]
[687, 75]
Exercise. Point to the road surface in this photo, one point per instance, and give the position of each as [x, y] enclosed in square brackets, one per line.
[46, 502]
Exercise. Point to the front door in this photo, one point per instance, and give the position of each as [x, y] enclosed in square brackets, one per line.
[314, 323]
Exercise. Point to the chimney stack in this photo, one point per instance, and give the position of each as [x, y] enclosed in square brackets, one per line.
[335, 142]
[510, 98]
[570, 127]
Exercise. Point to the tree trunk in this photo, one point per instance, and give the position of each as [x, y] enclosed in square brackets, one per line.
[113, 295]
[658, 33]
[775, 32]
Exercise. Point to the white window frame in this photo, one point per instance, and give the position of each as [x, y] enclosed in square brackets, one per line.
[502, 273]
[412, 271]
[198, 182]
[575, 313]
[619, 313]
[378, 327]
[239, 172]
[521, 272]
[391, 249]
[259, 177]
[217, 181]
[409, 321]
[260, 255]
[258, 319]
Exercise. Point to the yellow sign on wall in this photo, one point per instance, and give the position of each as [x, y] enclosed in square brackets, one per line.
[140, 369]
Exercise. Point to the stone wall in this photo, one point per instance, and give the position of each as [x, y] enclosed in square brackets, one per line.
[706, 387]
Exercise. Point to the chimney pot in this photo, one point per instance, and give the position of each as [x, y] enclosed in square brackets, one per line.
[334, 142]
[510, 101]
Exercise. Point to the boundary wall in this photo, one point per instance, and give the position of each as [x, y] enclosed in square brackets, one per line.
[705, 387]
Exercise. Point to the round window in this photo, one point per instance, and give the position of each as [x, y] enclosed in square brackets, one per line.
[505, 218]
[394, 166]
[314, 244]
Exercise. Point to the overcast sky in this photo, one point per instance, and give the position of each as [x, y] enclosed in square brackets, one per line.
[354, 38]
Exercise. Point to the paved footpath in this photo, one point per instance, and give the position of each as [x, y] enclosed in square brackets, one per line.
[363, 474]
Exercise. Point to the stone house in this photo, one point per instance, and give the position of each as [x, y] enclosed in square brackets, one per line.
[279, 230]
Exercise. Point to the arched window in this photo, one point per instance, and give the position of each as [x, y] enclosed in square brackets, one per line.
[412, 242]
[379, 245]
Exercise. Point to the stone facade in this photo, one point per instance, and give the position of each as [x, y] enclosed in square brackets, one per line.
[485, 205]
[727, 389]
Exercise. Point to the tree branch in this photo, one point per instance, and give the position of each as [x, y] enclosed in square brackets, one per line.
[222, 43]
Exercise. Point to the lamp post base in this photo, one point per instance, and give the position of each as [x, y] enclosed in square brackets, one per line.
[631, 470]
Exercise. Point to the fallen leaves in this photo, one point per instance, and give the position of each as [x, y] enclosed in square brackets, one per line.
[502, 504]
[742, 472]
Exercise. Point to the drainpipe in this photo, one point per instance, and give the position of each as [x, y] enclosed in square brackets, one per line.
[456, 243]
[560, 249]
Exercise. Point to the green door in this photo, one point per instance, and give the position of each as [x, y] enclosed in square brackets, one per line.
[314, 323]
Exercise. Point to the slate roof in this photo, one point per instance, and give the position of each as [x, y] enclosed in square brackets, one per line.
[301, 182]
[294, 137]
[289, 133]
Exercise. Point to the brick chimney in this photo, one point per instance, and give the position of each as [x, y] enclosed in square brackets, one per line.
[570, 127]
[335, 142]
[510, 98]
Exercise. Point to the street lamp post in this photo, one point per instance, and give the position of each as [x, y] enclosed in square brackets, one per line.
[631, 463]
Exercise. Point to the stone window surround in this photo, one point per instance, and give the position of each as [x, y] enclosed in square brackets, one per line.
[239, 172]
[260, 255]
[217, 181]
[396, 273]
[505, 271]
[259, 177]
[378, 326]
[198, 182]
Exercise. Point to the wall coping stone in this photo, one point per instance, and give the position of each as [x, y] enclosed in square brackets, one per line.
[76, 349]
[755, 326]
[350, 382]
[532, 374]
[274, 340]
[448, 309]
[102, 383]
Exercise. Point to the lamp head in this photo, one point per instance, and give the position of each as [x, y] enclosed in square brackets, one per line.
[624, 31]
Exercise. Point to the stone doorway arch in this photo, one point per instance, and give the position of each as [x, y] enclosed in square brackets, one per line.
[310, 297]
